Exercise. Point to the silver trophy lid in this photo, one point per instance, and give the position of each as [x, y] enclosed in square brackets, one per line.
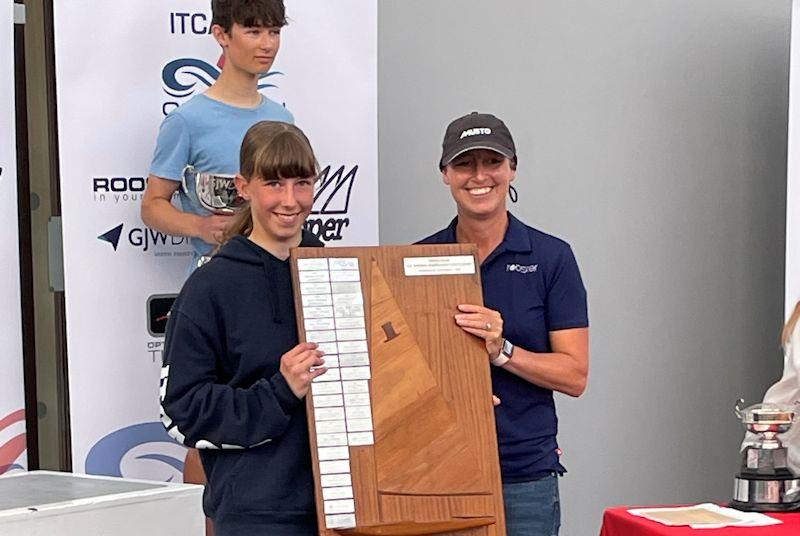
[766, 413]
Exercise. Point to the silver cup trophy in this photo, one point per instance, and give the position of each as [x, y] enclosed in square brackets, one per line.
[214, 192]
[765, 483]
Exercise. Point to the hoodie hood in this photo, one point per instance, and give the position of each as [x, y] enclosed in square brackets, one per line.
[243, 250]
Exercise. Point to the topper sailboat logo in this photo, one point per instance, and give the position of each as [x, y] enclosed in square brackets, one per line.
[332, 203]
[334, 190]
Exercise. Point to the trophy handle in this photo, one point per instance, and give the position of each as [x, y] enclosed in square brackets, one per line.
[187, 170]
[737, 408]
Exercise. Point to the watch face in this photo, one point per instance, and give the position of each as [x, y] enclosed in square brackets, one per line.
[508, 348]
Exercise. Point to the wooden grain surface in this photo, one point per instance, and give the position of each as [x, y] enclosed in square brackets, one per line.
[433, 468]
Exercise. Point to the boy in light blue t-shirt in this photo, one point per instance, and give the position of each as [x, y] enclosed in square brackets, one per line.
[207, 131]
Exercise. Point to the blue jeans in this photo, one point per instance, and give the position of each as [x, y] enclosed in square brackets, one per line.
[533, 508]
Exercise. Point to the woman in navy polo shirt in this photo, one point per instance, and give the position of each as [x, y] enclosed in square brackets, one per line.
[534, 323]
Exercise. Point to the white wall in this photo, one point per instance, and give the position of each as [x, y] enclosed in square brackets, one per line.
[12, 397]
[793, 172]
[652, 137]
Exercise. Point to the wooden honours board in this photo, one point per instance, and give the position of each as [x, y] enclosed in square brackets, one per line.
[401, 425]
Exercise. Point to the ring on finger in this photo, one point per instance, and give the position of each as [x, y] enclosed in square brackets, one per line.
[488, 326]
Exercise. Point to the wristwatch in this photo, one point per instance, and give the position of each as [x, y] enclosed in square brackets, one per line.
[506, 353]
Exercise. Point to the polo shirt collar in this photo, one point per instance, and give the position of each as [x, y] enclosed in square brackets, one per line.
[516, 239]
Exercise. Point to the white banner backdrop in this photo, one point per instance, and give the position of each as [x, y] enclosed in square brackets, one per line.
[12, 393]
[793, 170]
[119, 275]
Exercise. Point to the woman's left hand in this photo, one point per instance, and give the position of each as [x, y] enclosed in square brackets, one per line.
[484, 323]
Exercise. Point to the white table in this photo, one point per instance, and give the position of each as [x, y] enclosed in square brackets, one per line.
[40, 503]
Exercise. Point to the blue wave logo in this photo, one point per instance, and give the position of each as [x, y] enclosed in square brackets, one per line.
[181, 77]
[145, 449]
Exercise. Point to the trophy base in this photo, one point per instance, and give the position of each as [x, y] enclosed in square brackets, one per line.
[758, 493]
[762, 507]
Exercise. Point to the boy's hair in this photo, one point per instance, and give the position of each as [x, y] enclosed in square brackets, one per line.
[266, 13]
[272, 150]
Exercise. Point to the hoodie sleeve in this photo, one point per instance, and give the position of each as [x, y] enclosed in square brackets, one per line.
[199, 412]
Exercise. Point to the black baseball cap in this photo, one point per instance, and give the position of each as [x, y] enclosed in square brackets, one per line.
[476, 131]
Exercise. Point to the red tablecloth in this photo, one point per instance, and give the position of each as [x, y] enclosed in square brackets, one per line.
[618, 522]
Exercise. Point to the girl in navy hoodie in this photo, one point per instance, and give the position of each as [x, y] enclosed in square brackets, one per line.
[234, 375]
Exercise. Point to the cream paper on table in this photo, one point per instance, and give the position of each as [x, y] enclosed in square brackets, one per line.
[704, 516]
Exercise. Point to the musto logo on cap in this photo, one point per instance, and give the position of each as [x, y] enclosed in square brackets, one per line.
[475, 132]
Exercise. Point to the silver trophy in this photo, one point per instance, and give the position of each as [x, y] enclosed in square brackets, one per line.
[214, 191]
[765, 482]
